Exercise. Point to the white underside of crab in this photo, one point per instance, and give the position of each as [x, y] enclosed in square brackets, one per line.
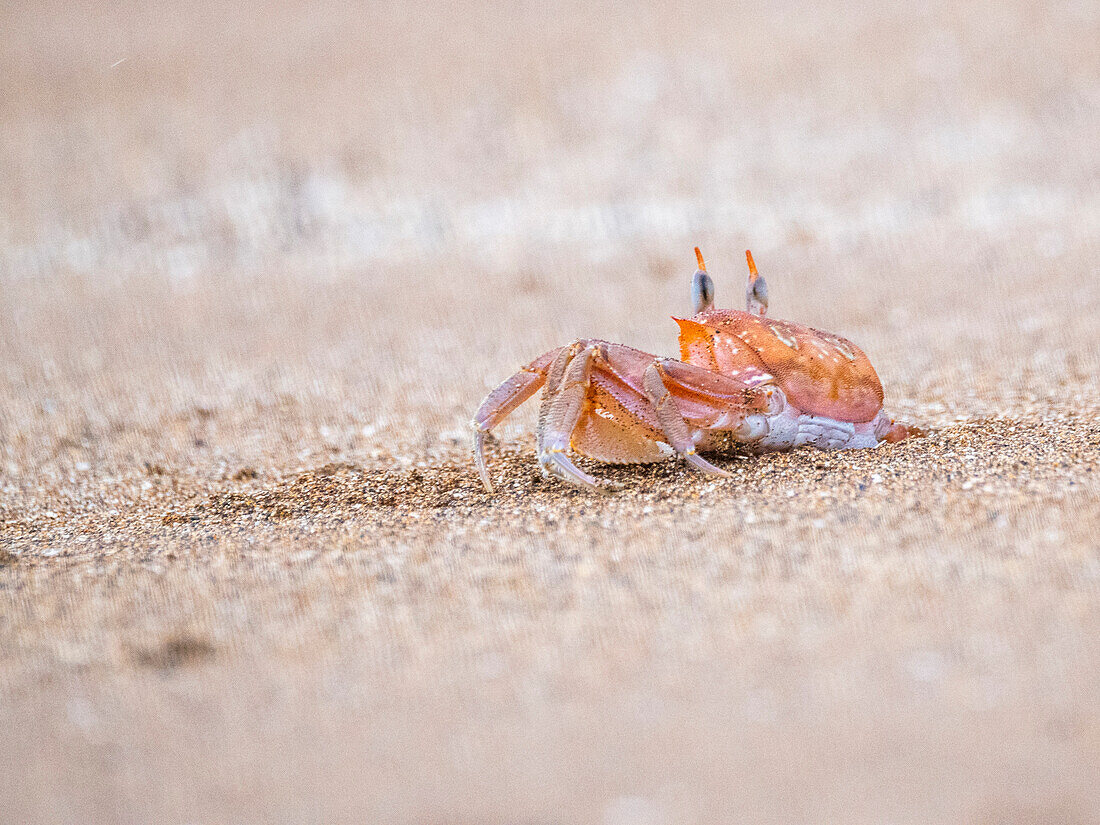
[785, 427]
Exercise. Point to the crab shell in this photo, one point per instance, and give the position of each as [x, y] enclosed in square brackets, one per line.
[829, 394]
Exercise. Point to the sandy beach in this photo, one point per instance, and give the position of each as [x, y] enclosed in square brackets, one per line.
[259, 266]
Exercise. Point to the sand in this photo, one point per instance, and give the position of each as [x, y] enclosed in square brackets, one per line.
[256, 277]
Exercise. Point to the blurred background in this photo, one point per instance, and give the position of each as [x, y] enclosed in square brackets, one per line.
[243, 243]
[237, 174]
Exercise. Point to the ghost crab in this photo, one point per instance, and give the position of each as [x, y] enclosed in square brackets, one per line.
[743, 378]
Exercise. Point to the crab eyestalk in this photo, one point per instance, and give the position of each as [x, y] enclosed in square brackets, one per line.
[702, 287]
[756, 291]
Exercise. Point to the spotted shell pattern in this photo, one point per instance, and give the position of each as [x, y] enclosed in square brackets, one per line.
[820, 373]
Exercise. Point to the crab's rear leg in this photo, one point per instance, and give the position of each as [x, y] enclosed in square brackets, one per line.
[503, 400]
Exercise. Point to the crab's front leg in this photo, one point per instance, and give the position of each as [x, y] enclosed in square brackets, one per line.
[672, 420]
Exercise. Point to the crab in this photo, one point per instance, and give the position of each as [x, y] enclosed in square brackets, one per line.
[743, 380]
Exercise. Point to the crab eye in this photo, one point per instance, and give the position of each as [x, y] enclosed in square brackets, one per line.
[760, 290]
[702, 291]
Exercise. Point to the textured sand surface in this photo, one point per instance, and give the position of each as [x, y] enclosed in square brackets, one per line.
[257, 269]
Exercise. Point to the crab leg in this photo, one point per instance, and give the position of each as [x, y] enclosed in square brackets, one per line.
[503, 400]
[647, 401]
[671, 394]
[563, 404]
[672, 422]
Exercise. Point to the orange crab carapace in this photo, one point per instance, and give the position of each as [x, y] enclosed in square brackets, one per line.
[743, 378]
